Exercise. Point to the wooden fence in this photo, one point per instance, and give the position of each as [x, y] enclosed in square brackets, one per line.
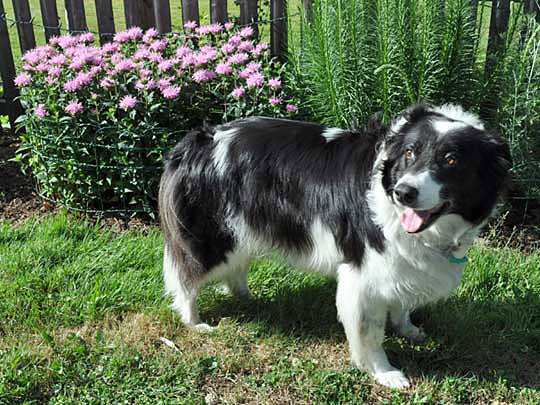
[157, 13]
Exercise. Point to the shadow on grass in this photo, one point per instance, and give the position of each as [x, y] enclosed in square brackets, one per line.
[492, 341]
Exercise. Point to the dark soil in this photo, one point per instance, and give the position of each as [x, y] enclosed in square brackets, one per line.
[520, 227]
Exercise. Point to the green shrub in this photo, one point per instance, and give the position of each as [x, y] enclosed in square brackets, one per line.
[99, 119]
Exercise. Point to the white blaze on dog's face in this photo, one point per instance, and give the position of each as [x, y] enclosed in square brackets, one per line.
[442, 164]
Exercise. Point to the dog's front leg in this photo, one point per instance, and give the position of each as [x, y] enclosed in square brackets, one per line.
[363, 316]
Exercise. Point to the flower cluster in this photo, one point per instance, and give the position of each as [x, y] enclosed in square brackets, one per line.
[101, 116]
[207, 60]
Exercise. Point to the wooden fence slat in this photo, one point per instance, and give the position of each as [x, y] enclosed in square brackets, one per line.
[500, 14]
[105, 20]
[190, 11]
[249, 15]
[139, 13]
[7, 72]
[49, 14]
[76, 16]
[308, 9]
[25, 28]
[162, 15]
[278, 28]
[218, 11]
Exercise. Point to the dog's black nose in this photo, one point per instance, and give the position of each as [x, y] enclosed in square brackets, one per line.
[406, 194]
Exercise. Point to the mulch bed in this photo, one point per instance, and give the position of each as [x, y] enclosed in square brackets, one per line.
[19, 202]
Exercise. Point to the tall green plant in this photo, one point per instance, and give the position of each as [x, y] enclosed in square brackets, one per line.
[518, 113]
[362, 56]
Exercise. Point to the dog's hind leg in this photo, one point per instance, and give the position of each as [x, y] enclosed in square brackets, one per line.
[184, 292]
[363, 317]
[401, 321]
[236, 276]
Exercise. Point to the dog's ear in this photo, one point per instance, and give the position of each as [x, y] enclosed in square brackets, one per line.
[499, 167]
[408, 118]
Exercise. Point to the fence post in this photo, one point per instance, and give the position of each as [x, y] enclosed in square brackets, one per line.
[162, 15]
[49, 14]
[105, 20]
[25, 29]
[76, 16]
[533, 7]
[278, 28]
[190, 11]
[248, 15]
[308, 9]
[218, 11]
[500, 14]
[139, 13]
[7, 72]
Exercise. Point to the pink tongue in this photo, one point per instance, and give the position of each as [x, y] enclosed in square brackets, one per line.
[412, 220]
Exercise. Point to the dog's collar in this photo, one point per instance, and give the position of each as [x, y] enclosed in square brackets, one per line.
[456, 260]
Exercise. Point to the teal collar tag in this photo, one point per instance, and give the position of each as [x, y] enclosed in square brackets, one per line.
[455, 260]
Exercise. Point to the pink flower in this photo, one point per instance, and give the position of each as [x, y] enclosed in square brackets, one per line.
[150, 34]
[42, 67]
[72, 85]
[23, 79]
[238, 58]
[274, 100]
[203, 75]
[165, 65]
[32, 57]
[182, 51]
[229, 26]
[246, 32]
[255, 80]
[141, 54]
[128, 102]
[206, 29]
[134, 33]
[28, 68]
[54, 71]
[274, 83]
[254, 67]
[74, 108]
[107, 83]
[190, 25]
[84, 78]
[291, 108]
[223, 69]
[244, 74]
[144, 73]
[170, 92]
[139, 85]
[154, 57]
[245, 46]
[58, 60]
[40, 111]
[110, 48]
[235, 40]
[238, 92]
[122, 37]
[164, 83]
[124, 65]
[151, 84]
[159, 46]
[228, 48]
[86, 37]
[67, 41]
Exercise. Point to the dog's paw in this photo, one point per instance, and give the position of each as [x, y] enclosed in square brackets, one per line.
[392, 379]
[243, 292]
[203, 328]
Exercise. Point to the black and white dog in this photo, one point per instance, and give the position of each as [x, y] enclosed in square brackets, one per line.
[390, 210]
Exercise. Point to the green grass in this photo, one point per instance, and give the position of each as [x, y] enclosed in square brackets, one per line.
[83, 319]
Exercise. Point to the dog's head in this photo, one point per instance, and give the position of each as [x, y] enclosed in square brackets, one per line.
[440, 161]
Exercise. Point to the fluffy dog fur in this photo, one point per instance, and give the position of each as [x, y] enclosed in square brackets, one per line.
[390, 211]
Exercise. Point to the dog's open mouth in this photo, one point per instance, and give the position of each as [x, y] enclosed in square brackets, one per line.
[414, 221]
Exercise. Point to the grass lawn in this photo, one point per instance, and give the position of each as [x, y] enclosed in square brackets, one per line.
[83, 320]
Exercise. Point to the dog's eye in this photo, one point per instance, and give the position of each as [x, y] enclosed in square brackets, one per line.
[451, 160]
[409, 153]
